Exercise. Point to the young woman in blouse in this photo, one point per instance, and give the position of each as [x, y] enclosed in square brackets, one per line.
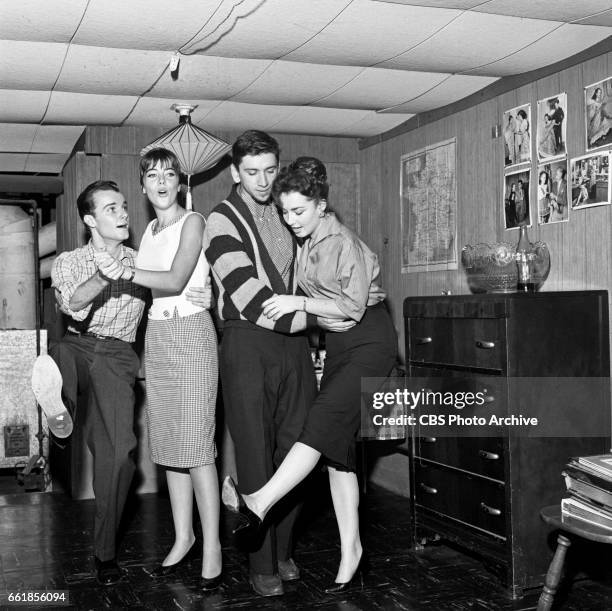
[339, 275]
[180, 365]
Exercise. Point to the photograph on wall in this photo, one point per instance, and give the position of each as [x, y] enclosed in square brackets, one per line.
[598, 114]
[552, 192]
[517, 135]
[590, 180]
[516, 198]
[428, 208]
[552, 127]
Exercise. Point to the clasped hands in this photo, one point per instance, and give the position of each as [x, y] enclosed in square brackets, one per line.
[110, 267]
[279, 305]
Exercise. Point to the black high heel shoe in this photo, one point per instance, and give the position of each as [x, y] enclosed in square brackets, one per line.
[208, 584]
[169, 569]
[358, 576]
[232, 499]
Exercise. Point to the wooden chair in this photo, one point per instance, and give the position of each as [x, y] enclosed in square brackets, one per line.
[566, 525]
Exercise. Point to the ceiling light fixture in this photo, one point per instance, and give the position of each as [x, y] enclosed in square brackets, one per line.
[196, 149]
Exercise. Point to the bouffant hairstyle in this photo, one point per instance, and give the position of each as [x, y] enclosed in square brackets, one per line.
[306, 175]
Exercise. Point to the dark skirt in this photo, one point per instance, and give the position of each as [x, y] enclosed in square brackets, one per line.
[369, 349]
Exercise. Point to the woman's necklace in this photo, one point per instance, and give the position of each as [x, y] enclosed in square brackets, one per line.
[161, 226]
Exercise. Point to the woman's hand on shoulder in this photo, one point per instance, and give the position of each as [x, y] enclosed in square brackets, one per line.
[279, 305]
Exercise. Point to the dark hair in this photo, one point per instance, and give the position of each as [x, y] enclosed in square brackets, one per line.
[254, 142]
[85, 201]
[595, 92]
[166, 158]
[540, 176]
[521, 113]
[306, 175]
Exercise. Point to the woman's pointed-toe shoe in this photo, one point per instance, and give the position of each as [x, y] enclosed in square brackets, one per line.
[233, 500]
[169, 569]
[354, 581]
[208, 584]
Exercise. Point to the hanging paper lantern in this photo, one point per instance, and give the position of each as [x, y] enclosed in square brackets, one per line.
[196, 149]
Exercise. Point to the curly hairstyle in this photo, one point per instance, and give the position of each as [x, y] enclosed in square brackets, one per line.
[305, 175]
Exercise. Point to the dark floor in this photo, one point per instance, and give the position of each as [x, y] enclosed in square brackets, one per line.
[45, 543]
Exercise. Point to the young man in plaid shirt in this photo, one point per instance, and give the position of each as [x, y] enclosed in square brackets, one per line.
[97, 361]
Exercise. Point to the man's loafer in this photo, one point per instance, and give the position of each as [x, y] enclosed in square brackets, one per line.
[267, 585]
[108, 572]
[288, 570]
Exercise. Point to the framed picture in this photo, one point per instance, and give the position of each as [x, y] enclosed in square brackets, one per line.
[428, 208]
[516, 198]
[598, 114]
[517, 135]
[590, 184]
[552, 127]
[552, 193]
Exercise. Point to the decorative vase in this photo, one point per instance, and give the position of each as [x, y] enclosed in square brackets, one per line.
[532, 261]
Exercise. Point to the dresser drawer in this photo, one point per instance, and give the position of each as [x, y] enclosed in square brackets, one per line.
[475, 501]
[479, 455]
[467, 342]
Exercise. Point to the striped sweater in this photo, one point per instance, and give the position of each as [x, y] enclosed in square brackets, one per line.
[243, 272]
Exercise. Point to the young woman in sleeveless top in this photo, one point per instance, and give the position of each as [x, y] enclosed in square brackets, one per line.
[180, 366]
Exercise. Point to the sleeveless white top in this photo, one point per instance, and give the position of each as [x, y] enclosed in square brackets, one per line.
[156, 253]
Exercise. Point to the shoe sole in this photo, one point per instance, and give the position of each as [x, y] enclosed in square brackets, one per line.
[47, 388]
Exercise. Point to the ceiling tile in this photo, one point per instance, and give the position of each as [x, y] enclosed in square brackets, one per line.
[21, 66]
[271, 29]
[325, 121]
[374, 123]
[56, 138]
[472, 40]
[451, 90]
[457, 4]
[230, 115]
[22, 106]
[604, 19]
[48, 21]
[111, 71]
[563, 42]
[88, 108]
[207, 77]
[360, 38]
[17, 138]
[296, 83]
[143, 24]
[377, 88]
[51, 163]
[559, 10]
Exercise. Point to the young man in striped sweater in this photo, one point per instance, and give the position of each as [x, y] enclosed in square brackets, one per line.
[266, 370]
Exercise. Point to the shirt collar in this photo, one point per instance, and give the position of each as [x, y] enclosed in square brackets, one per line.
[89, 251]
[328, 226]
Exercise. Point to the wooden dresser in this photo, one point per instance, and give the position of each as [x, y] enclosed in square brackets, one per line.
[485, 493]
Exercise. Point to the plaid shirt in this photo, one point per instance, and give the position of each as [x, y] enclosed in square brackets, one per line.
[115, 312]
[274, 234]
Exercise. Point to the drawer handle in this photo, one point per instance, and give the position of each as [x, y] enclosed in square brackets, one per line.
[429, 489]
[423, 340]
[488, 455]
[429, 439]
[490, 510]
[485, 345]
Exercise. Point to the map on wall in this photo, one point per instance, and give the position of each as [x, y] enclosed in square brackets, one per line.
[428, 212]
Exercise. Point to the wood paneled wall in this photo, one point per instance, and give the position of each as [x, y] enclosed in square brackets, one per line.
[581, 249]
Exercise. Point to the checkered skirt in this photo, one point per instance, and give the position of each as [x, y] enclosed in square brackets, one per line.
[181, 379]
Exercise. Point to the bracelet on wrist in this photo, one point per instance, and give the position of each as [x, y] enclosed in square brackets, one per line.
[304, 304]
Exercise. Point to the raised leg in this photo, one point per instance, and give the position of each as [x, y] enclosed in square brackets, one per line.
[553, 576]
